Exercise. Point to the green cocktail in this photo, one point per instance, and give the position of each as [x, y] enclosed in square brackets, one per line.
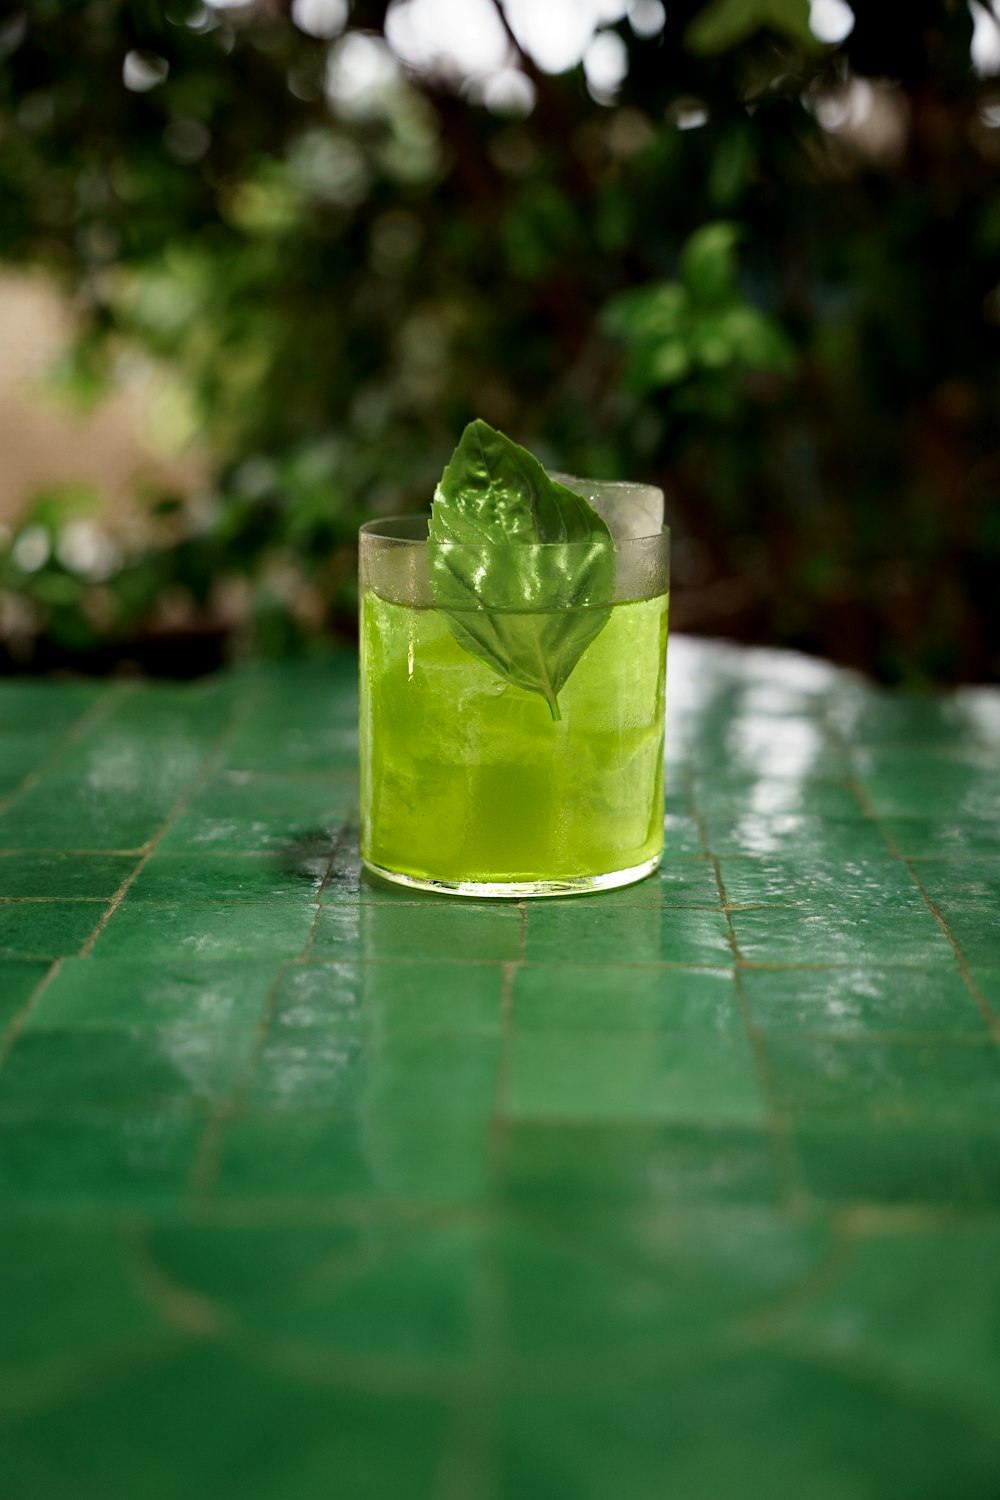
[469, 783]
[513, 647]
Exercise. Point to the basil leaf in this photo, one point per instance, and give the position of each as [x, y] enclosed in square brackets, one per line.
[522, 568]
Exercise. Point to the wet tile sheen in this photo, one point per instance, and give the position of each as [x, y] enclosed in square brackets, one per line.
[308, 1182]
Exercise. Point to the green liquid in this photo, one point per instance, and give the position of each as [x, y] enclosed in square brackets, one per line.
[465, 777]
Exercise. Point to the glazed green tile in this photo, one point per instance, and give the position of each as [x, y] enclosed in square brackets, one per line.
[885, 1080]
[91, 1161]
[66, 811]
[46, 929]
[434, 928]
[244, 1265]
[396, 1291]
[19, 978]
[428, 1075]
[987, 981]
[867, 1312]
[556, 1167]
[147, 1067]
[688, 882]
[782, 880]
[66, 1294]
[336, 936]
[314, 1070]
[983, 1144]
[676, 772]
[51, 708]
[575, 997]
[693, 937]
[402, 1295]
[132, 993]
[795, 834]
[902, 721]
[708, 1432]
[955, 791]
[326, 676]
[348, 880]
[114, 789]
[433, 997]
[950, 837]
[732, 796]
[295, 818]
[293, 1155]
[968, 897]
[311, 745]
[201, 1419]
[844, 1161]
[586, 931]
[166, 931]
[883, 923]
[223, 878]
[931, 1003]
[683, 1076]
[681, 834]
[520, 1160]
[911, 782]
[10, 779]
[775, 747]
[22, 751]
[60, 875]
[645, 1285]
[304, 1157]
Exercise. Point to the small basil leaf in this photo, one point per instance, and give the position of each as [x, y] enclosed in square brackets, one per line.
[522, 568]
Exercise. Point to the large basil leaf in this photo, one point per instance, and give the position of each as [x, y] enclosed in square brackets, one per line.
[522, 568]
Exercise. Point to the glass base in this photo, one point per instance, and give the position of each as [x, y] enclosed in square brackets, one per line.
[573, 885]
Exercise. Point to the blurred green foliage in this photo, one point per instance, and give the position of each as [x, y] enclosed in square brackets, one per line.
[766, 275]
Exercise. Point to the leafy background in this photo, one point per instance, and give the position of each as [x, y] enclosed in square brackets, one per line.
[762, 271]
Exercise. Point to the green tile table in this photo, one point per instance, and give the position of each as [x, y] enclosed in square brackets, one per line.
[309, 1187]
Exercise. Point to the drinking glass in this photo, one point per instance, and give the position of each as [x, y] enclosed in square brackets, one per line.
[475, 786]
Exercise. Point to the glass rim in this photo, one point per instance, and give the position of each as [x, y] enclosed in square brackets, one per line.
[412, 531]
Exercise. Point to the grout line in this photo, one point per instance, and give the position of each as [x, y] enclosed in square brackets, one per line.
[351, 902]
[12, 853]
[468, 1463]
[830, 1118]
[870, 814]
[20, 1017]
[176, 855]
[149, 848]
[81, 727]
[53, 900]
[721, 965]
[338, 840]
[42, 1388]
[862, 1216]
[966, 855]
[676, 859]
[987, 1012]
[208, 1157]
[948, 1040]
[501, 1089]
[508, 970]
[777, 1125]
